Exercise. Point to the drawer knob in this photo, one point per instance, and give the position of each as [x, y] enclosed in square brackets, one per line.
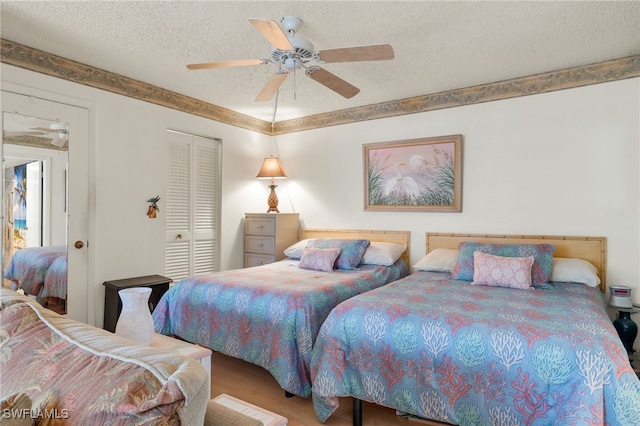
[260, 245]
[260, 226]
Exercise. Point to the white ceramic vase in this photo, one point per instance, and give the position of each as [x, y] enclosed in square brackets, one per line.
[135, 321]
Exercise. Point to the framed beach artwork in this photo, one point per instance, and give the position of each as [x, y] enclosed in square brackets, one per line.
[414, 175]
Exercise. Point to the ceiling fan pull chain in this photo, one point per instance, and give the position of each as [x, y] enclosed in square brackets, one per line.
[295, 73]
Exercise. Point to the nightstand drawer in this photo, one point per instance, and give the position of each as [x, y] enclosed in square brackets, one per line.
[251, 259]
[267, 235]
[260, 226]
[262, 245]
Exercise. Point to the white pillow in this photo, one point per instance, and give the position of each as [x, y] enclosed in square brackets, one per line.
[574, 271]
[294, 251]
[438, 260]
[379, 253]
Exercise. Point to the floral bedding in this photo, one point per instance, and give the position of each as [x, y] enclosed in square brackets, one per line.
[75, 374]
[472, 355]
[28, 267]
[268, 315]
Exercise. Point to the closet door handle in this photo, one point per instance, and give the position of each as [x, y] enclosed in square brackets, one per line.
[79, 244]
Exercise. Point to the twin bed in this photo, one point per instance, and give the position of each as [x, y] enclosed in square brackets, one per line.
[270, 315]
[40, 271]
[423, 344]
[446, 350]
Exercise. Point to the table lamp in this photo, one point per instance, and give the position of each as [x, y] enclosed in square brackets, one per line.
[272, 169]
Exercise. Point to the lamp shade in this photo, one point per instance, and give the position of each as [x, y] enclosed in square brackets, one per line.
[271, 169]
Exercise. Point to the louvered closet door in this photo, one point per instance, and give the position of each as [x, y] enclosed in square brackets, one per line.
[192, 216]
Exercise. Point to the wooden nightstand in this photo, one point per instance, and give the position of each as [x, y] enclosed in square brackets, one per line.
[113, 305]
[267, 235]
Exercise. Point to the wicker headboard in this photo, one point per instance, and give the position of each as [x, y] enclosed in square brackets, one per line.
[593, 249]
[399, 237]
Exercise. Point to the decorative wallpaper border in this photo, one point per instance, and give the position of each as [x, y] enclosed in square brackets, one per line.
[39, 61]
[618, 69]
[36, 60]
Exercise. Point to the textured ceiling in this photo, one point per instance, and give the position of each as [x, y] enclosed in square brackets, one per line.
[439, 45]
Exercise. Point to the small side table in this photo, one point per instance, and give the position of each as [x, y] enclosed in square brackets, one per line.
[199, 353]
[113, 305]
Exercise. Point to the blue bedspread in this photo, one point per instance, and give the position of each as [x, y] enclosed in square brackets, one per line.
[55, 280]
[474, 355]
[28, 267]
[268, 315]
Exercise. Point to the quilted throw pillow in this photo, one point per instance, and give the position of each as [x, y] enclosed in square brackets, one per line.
[351, 251]
[318, 259]
[540, 271]
[498, 271]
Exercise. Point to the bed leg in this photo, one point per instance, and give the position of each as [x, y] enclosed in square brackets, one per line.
[288, 394]
[357, 412]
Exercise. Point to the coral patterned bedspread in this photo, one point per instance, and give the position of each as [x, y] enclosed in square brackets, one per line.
[268, 315]
[28, 267]
[474, 355]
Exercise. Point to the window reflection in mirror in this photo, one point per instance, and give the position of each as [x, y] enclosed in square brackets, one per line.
[34, 242]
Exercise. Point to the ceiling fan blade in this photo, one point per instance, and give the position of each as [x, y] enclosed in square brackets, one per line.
[272, 86]
[240, 63]
[333, 82]
[272, 32]
[378, 52]
[9, 134]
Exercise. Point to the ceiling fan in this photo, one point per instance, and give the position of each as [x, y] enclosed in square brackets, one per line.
[294, 53]
[58, 132]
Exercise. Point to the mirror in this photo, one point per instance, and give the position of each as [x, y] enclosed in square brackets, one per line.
[34, 242]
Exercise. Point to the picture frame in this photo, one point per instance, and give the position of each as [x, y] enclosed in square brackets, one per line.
[422, 174]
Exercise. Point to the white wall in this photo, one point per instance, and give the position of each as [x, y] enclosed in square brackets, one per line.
[563, 163]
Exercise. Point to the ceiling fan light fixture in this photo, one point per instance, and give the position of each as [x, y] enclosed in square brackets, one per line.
[60, 127]
[292, 63]
[59, 139]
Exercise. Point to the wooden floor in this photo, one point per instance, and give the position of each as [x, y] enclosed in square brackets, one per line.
[256, 385]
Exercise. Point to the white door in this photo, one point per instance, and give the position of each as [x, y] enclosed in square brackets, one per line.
[76, 197]
[193, 207]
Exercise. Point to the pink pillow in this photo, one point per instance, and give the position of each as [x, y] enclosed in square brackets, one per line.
[499, 271]
[318, 259]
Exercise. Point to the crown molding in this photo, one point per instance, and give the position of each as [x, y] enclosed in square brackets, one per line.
[36, 60]
[46, 63]
[602, 72]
